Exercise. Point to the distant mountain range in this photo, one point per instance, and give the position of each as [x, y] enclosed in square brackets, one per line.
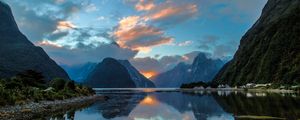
[112, 73]
[80, 72]
[18, 54]
[202, 69]
[270, 51]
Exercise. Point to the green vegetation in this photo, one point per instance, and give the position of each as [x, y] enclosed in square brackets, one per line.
[269, 51]
[31, 86]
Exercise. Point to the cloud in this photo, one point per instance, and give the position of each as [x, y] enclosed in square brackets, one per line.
[145, 5]
[236, 10]
[65, 25]
[57, 35]
[64, 55]
[171, 12]
[132, 32]
[91, 8]
[221, 51]
[216, 46]
[37, 19]
[142, 32]
[149, 64]
[207, 42]
[49, 43]
[184, 43]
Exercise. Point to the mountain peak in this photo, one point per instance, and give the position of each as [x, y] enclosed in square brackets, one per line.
[18, 54]
[7, 22]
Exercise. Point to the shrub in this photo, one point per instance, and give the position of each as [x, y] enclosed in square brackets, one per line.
[32, 78]
[58, 83]
[30, 86]
[70, 85]
[14, 83]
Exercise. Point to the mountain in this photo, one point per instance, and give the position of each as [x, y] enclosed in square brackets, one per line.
[140, 80]
[270, 51]
[19, 54]
[110, 74]
[174, 77]
[80, 72]
[202, 69]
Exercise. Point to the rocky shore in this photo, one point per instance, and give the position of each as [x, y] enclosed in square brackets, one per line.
[42, 109]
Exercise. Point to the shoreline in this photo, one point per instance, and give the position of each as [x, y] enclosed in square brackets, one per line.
[40, 109]
[242, 90]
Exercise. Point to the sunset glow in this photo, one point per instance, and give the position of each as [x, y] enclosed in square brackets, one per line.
[149, 74]
[150, 101]
[64, 25]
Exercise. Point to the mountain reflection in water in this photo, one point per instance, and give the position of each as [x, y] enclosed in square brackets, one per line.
[146, 104]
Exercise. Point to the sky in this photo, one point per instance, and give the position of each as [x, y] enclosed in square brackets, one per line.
[154, 35]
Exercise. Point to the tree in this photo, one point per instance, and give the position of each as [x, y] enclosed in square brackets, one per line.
[70, 85]
[58, 83]
[32, 78]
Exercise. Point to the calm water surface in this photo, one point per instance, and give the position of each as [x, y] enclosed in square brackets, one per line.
[172, 104]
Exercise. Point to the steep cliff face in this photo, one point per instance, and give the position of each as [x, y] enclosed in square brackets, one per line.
[18, 54]
[270, 50]
[203, 69]
[140, 80]
[110, 74]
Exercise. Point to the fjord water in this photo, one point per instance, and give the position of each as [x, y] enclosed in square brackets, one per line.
[173, 104]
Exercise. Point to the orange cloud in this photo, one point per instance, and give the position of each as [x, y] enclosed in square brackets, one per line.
[133, 33]
[171, 10]
[136, 32]
[143, 49]
[128, 22]
[65, 25]
[145, 5]
[49, 43]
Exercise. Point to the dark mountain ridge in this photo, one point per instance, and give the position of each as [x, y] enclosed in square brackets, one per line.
[112, 73]
[270, 51]
[19, 54]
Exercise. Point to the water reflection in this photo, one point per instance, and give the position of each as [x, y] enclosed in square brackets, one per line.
[280, 106]
[192, 105]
